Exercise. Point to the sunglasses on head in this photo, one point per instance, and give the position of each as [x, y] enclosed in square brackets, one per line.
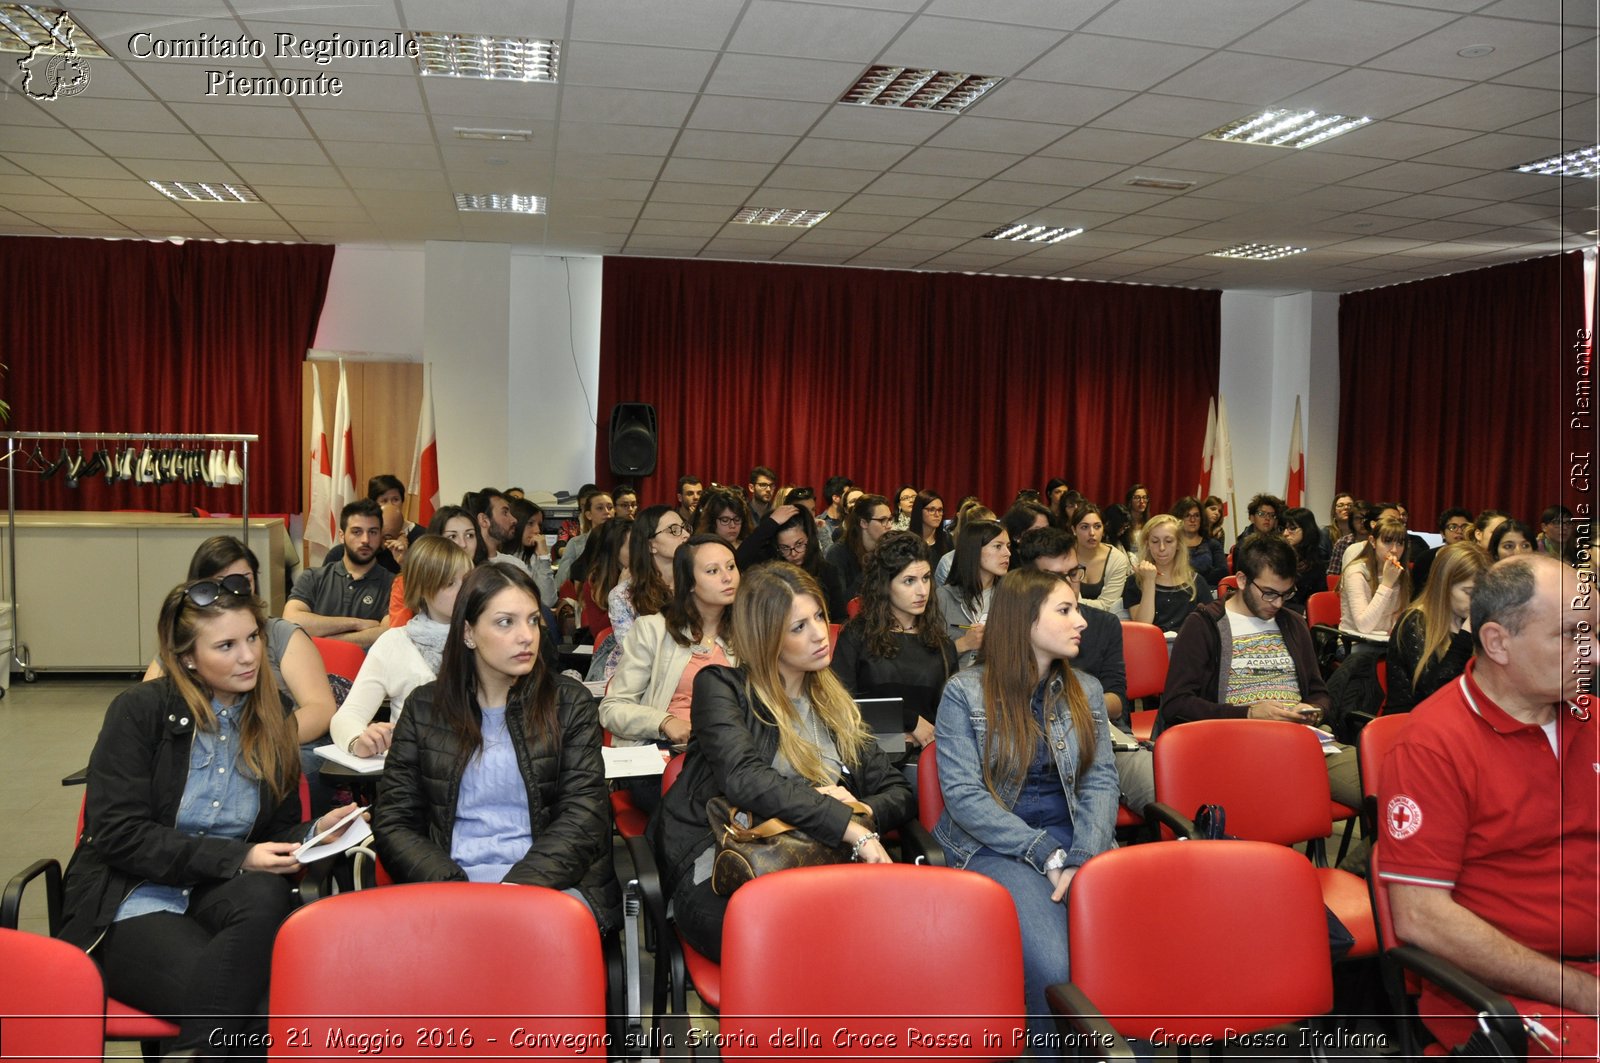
[206, 592]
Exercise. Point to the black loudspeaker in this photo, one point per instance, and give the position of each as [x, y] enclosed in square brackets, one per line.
[633, 439]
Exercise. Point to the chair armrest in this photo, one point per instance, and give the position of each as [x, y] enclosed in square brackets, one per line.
[1171, 818]
[1081, 1026]
[919, 847]
[11, 903]
[77, 778]
[1493, 1008]
[649, 879]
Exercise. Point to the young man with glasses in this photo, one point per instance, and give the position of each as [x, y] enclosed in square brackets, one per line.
[763, 484]
[1251, 658]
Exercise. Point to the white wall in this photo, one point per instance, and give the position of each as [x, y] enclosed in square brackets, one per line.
[1274, 348]
[374, 304]
[554, 371]
[466, 321]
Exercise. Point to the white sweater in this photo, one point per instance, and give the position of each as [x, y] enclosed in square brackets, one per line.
[393, 669]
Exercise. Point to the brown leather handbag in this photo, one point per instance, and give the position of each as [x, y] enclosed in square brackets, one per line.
[745, 849]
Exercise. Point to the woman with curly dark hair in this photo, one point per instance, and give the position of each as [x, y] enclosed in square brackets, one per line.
[897, 646]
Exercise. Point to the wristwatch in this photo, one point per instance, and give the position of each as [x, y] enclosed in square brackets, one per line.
[1057, 860]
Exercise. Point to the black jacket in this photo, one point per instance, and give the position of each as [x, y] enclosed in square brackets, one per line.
[731, 748]
[568, 806]
[137, 775]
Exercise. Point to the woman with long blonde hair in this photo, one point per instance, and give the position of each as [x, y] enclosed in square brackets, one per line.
[1164, 589]
[1432, 643]
[1025, 763]
[779, 737]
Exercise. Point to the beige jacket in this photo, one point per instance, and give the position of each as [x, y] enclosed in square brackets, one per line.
[647, 675]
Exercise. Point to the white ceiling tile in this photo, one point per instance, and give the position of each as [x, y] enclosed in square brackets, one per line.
[267, 149]
[1315, 166]
[96, 112]
[685, 192]
[1392, 140]
[880, 125]
[682, 24]
[1372, 93]
[183, 170]
[738, 115]
[46, 141]
[821, 236]
[854, 154]
[776, 78]
[1441, 230]
[624, 106]
[917, 242]
[24, 185]
[1214, 156]
[911, 184]
[799, 198]
[1068, 172]
[1246, 188]
[1015, 194]
[1151, 113]
[231, 119]
[1491, 151]
[377, 126]
[1504, 186]
[1337, 197]
[1053, 14]
[255, 173]
[662, 227]
[949, 163]
[521, 18]
[976, 133]
[1571, 71]
[1150, 225]
[1111, 145]
[593, 138]
[1515, 45]
[1100, 199]
[1112, 62]
[1211, 25]
[1412, 177]
[807, 31]
[632, 66]
[1426, 206]
[150, 145]
[1486, 107]
[968, 47]
[1342, 31]
[714, 172]
[401, 156]
[748, 147]
[65, 165]
[1040, 101]
[291, 195]
[1254, 80]
[874, 219]
[684, 212]
[492, 99]
[821, 178]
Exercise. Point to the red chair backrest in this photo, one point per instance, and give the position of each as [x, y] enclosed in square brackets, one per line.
[670, 773]
[833, 636]
[1270, 776]
[871, 985]
[1333, 581]
[1145, 956]
[1144, 653]
[52, 1001]
[1382, 913]
[600, 636]
[852, 608]
[428, 963]
[1323, 608]
[930, 799]
[339, 657]
[1377, 738]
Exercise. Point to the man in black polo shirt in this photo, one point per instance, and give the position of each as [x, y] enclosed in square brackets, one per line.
[349, 598]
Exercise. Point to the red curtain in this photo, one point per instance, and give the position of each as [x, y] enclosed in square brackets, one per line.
[1457, 391]
[978, 385]
[133, 336]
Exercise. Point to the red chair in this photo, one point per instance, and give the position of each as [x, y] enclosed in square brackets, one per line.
[339, 657]
[1144, 960]
[600, 636]
[875, 987]
[1405, 967]
[852, 608]
[1272, 779]
[1333, 582]
[1322, 609]
[1227, 587]
[1372, 749]
[1144, 652]
[833, 636]
[420, 951]
[52, 1001]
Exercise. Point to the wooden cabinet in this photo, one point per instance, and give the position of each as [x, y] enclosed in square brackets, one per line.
[90, 585]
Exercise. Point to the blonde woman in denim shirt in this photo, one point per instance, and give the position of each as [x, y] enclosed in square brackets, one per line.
[1044, 799]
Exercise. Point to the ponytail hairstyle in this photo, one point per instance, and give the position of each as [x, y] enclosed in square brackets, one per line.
[269, 745]
[1011, 675]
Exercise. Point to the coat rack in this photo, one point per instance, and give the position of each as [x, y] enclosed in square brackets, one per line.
[20, 657]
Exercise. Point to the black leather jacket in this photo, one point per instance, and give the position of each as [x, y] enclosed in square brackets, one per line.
[731, 748]
[568, 804]
[137, 775]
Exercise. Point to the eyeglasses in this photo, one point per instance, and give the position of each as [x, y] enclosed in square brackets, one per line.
[207, 591]
[1076, 574]
[1459, 529]
[673, 530]
[879, 520]
[933, 509]
[797, 550]
[730, 520]
[762, 485]
[1272, 597]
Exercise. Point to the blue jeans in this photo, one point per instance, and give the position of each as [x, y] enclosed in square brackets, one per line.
[1044, 936]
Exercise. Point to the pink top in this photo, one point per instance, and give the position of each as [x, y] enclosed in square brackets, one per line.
[679, 705]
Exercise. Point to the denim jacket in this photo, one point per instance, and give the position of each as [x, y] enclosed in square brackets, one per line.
[973, 818]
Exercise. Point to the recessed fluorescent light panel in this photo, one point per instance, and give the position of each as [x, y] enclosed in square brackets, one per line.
[1584, 162]
[1287, 129]
[493, 134]
[23, 27]
[205, 192]
[1258, 252]
[918, 90]
[496, 203]
[464, 55]
[801, 219]
[1029, 233]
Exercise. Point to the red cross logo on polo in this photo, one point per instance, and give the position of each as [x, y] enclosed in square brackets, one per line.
[1404, 817]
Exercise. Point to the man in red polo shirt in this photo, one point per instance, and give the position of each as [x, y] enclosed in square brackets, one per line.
[1491, 808]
